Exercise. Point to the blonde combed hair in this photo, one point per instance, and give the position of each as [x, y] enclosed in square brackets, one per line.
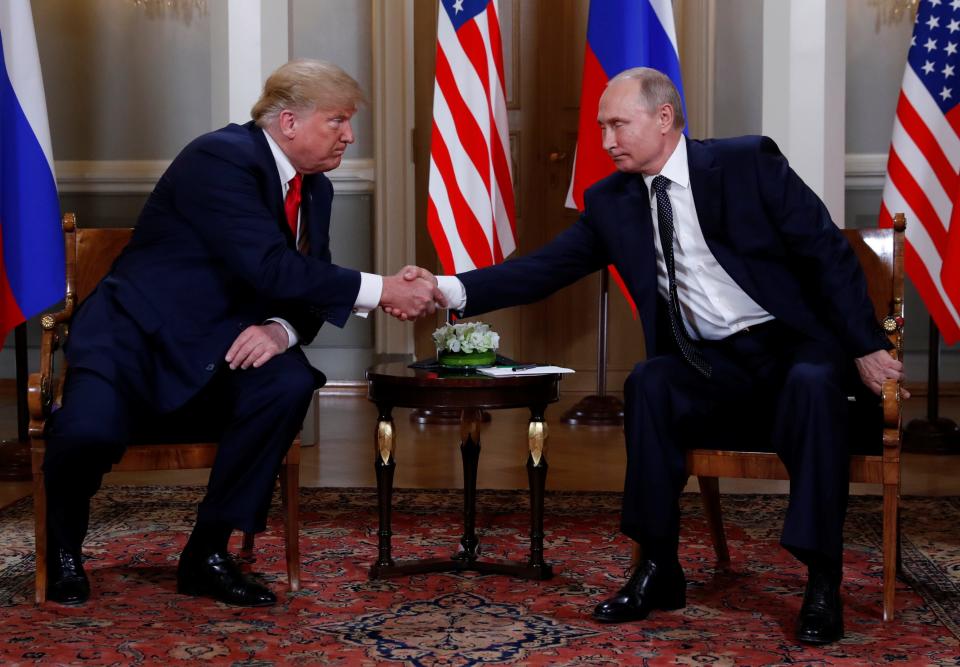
[656, 88]
[306, 85]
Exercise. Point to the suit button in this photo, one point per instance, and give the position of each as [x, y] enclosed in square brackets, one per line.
[211, 367]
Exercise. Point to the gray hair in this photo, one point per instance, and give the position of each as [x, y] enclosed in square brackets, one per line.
[656, 89]
[306, 85]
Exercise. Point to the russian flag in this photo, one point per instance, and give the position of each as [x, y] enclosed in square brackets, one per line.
[31, 241]
[621, 34]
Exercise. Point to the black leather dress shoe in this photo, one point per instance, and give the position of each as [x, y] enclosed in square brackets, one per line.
[217, 576]
[651, 586]
[66, 581]
[821, 615]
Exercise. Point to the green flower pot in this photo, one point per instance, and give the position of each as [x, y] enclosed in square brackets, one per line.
[465, 360]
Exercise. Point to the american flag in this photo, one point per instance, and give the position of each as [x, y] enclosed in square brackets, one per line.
[470, 212]
[922, 170]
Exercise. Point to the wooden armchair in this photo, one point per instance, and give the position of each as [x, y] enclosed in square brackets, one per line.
[89, 255]
[880, 252]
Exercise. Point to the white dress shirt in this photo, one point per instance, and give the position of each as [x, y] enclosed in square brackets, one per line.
[371, 284]
[712, 304]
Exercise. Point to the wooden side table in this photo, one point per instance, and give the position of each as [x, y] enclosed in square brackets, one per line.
[395, 385]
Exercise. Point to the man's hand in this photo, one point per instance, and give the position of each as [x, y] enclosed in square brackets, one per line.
[876, 367]
[256, 345]
[411, 293]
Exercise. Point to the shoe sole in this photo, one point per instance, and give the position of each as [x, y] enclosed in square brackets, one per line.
[638, 617]
[186, 589]
[819, 642]
[69, 603]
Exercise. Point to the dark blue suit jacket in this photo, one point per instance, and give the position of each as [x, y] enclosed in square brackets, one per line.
[210, 255]
[767, 229]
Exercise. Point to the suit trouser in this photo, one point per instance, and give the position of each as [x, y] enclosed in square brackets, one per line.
[254, 413]
[768, 386]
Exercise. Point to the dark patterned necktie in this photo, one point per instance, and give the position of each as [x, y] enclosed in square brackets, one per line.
[688, 349]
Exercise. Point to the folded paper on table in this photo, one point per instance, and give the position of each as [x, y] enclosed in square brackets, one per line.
[508, 371]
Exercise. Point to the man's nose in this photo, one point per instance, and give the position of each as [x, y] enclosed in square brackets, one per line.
[607, 139]
[347, 136]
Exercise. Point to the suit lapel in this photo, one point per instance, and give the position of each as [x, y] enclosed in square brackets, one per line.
[315, 214]
[706, 179]
[635, 238]
[274, 189]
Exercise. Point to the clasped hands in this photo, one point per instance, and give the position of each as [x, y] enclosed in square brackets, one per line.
[410, 293]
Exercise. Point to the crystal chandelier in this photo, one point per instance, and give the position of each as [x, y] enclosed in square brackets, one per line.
[179, 9]
[893, 11]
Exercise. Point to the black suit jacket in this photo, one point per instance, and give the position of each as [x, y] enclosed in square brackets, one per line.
[210, 255]
[765, 227]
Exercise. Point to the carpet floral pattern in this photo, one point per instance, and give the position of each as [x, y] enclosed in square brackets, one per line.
[743, 615]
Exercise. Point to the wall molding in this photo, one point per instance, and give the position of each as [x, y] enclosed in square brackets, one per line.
[123, 177]
[865, 171]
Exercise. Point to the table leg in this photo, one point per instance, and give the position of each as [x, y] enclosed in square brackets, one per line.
[384, 464]
[470, 422]
[537, 475]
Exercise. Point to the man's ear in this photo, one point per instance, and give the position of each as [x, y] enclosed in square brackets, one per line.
[665, 117]
[287, 122]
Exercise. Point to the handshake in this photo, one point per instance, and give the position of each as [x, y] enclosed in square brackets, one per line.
[411, 293]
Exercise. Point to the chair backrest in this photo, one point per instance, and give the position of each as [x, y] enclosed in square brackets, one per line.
[882, 262]
[90, 252]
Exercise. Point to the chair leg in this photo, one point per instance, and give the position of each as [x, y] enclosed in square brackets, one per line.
[899, 544]
[710, 494]
[891, 540]
[290, 497]
[40, 535]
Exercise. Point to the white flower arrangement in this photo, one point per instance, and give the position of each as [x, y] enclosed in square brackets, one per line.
[466, 337]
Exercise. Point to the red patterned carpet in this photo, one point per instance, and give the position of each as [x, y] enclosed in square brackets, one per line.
[744, 616]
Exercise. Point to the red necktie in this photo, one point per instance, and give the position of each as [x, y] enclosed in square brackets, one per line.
[292, 203]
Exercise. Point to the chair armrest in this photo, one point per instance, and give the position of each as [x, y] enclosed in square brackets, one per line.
[43, 386]
[892, 413]
[890, 390]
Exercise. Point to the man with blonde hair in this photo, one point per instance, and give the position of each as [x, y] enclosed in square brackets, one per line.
[200, 320]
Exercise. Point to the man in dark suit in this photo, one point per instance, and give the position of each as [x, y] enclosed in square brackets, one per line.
[196, 329]
[754, 309]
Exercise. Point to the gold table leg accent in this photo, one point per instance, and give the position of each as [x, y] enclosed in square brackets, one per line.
[385, 442]
[537, 435]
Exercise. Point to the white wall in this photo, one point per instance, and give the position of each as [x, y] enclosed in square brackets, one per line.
[124, 85]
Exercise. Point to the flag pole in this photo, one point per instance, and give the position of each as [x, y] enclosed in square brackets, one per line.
[15, 454]
[599, 409]
[935, 434]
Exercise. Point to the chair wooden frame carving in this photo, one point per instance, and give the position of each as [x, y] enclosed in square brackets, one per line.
[880, 252]
[89, 255]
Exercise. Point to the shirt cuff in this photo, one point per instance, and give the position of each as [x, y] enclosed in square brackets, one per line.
[453, 291]
[368, 298]
[292, 337]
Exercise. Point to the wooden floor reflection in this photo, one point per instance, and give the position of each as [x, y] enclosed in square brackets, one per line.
[580, 458]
